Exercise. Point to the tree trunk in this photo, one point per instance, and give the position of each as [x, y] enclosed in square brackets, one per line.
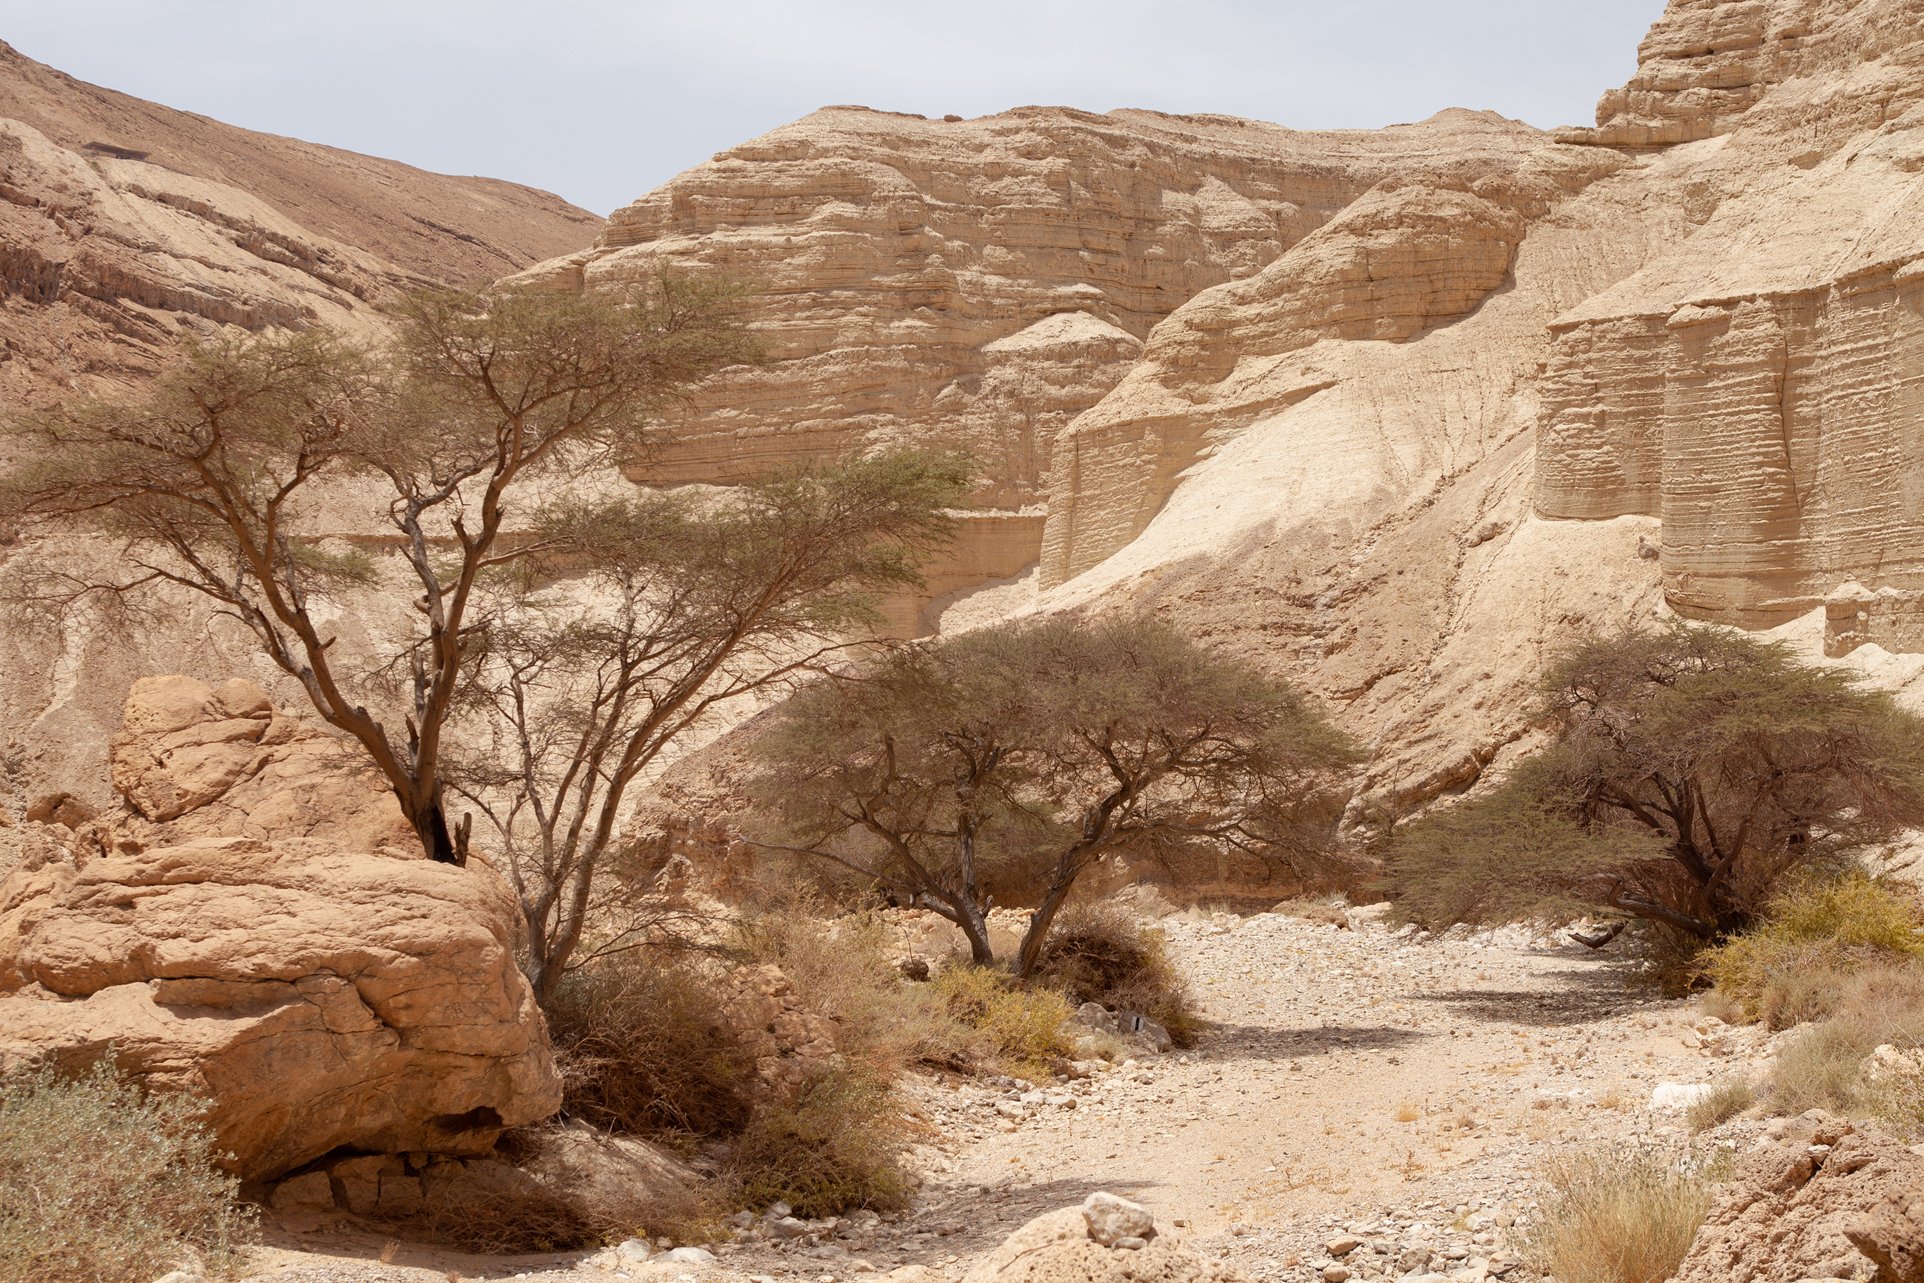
[975, 929]
[1039, 923]
[430, 821]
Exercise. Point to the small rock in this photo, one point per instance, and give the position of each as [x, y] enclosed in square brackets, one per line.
[1112, 1219]
[1335, 1274]
[1342, 1245]
[634, 1250]
[690, 1256]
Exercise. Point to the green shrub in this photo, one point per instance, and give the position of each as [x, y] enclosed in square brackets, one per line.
[1103, 955]
[1790, 968]
[1024, 1029]
[645, 1049]
[102, 1183]
[1620, 1215]
[834, 1144]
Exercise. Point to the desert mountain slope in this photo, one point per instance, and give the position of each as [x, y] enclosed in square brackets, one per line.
[125, 225]
[1394, 413]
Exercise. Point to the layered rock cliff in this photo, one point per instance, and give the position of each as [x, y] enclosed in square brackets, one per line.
[1408, 408]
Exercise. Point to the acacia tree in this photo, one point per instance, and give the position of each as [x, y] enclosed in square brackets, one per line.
[1045, 747]
[214, 481]
[673, 605]
[1689, 771]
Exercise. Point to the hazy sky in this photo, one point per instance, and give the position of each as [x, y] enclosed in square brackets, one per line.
[602, 100]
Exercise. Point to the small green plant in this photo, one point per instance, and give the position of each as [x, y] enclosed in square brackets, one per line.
[1025, 1028]
[1790, 968]
[1620, 1215]
[1103, 955]
[1726, 1100]
[102, 1183]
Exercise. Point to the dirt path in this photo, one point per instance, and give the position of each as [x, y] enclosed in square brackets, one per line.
[1399, 1091]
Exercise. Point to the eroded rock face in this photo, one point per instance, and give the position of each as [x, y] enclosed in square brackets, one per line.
[1823, 1201]
[1758, 383]
[259, 926]
[125, 226]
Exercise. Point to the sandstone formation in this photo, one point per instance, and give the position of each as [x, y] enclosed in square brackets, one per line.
[1821, 1201]
[1756, 383]
[1409, 408]
[259, 926]
[126, 226]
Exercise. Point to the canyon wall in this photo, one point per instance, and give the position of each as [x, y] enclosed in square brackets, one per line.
[1474, 389]
[1393, 413]
[1758, 385]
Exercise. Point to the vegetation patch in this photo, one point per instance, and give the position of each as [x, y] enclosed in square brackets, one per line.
[1793, 965]
[103, 1183]
[1620, 1215]
[1101, 954]
[1024, 1030]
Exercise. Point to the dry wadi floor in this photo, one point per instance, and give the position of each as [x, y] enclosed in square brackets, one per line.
[1357, 1083]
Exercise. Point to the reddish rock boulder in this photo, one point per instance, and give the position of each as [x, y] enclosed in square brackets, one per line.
[260, 927]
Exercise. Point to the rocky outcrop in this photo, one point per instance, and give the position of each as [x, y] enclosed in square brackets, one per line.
[1820, 1200]
[125, 226]
[1756, 384]
[1106, 1240]
[258, 926]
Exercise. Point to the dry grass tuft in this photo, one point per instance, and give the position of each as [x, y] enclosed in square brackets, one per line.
[1023, 1031]
[1726, 1100]
[1824, 1066]
[834, 1144]
[101, 1182]
[644, 1049]
[1619, 1216]
[1791, 967]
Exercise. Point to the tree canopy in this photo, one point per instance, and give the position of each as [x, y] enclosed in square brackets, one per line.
[671, 606]
[1688, 771]
[1042, 748]
[215, 481]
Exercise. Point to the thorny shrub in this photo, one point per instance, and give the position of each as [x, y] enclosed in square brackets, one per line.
[1101, 954]
[102, 1183]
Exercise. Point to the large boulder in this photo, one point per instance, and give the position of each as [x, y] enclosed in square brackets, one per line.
[1106, 1240]
[259, 925]
[1817, 1200]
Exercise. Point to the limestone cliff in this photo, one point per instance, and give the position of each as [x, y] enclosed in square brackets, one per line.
[1410, 408]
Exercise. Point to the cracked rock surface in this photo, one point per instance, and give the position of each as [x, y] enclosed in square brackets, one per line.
[258, 925]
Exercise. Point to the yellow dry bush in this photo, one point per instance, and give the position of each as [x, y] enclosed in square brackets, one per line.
[1620, 1215]
[1025, 1030]
[1790, 968]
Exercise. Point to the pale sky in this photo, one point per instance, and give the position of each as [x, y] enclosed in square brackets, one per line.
[602, 100]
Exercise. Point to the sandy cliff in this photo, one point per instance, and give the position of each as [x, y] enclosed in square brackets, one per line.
[1393, 412]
